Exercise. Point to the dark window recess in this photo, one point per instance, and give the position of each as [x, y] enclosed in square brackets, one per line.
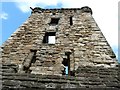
[47, 38]
[54, 13]
[34, 56]
[71, 21]
[31, 58]
[66, 63]
[54, 21]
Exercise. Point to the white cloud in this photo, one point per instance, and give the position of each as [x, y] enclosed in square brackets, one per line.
[24, 6]
[3, 15]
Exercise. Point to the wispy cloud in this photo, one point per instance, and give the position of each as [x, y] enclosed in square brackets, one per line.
[3, 15]
[24, 6]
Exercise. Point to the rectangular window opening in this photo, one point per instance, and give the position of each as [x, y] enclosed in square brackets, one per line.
[54, 21]
[31, 58]
[34, 55]
[66, 62]
[71, 21]
[49, 38]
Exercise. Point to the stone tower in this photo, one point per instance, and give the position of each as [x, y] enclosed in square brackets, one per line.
[59, 48]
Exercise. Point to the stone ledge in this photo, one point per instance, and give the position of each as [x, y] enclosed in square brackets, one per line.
[83, 9]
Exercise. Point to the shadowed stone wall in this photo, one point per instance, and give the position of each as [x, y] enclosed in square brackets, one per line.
[88, 78]
[28, 55]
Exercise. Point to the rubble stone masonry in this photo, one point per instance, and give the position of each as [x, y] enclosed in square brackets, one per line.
[31, 59]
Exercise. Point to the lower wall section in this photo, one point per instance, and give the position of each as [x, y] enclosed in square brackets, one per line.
[58, 88]
[87, 78]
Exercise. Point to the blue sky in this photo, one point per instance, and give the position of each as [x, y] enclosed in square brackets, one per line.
[14, 19]
[14, 13]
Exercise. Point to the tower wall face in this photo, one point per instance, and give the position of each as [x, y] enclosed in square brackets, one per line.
[78, 42]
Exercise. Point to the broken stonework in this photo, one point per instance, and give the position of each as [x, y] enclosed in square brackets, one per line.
[59, 48]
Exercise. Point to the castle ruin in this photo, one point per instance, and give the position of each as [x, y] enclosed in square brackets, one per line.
[58, 49]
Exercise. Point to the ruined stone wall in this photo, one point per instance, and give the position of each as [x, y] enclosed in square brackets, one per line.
[82, 39]
[88, 78]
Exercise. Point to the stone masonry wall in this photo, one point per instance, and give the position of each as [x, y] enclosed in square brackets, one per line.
[83, 40]
[87, 78]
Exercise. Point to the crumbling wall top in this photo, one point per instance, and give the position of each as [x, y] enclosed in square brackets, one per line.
[60, 10]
